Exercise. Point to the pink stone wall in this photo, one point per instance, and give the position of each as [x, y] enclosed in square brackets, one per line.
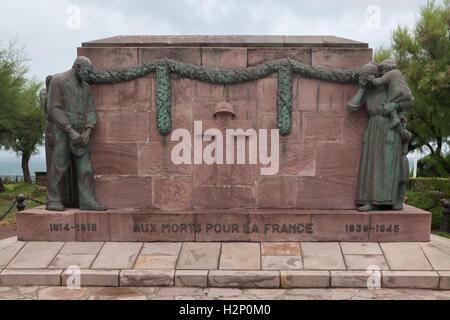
[318, 160]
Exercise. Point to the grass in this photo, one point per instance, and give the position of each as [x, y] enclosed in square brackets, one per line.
[443, 234]
[12, 190]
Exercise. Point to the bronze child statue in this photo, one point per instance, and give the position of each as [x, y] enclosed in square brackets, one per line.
[72, 118]
[398, 90]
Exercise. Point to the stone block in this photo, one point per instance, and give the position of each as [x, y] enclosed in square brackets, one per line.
[413, 225]
[89, 248]
[127, 126]
[337, 160]
[349, 279]
[189, 55]
[299, 160]
[156, 159]
[444, 280]
[114, 158]
[410, 279]
[94, 278]
[259, 55]
[281, 263]
[280, 248]
[173, 193]
[322, 256]
[244, 279]
[199, 256]
[266, 94]
[162, 248]
[109, 257]
[110, 58]
[322, 127]
[120, 192]
[326, 192]
[362, 262]
[92, 225]
[305, 279]
[405, 256]
[146, 278]
[224, 57]
[8, 253]
[240, 256]
[341, 58]
[63, 261]
[284, 198]
[30, 277]
[35, 255]
[333, 226]
[191, 278]
[155, 262]
[439, 260]
[32, 223]
[360, 248]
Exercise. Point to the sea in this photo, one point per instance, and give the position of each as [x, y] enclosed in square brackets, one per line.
[10, 165]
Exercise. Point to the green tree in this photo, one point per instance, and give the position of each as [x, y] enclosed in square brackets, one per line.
[22, 123]
[423, 55]
[382, 54]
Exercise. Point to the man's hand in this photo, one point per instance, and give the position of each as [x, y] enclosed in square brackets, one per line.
[74, 136]
[86, 136]
[363, 80]
[388, 108]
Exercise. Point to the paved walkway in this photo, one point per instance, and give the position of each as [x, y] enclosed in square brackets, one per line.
[165, 293]
[235, 265]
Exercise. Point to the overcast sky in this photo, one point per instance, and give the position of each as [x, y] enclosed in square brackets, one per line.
[49, 31]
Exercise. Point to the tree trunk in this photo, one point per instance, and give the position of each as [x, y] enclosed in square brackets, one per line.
[25, 168]
[2, 187]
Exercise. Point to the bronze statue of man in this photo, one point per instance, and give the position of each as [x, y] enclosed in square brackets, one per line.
[72, 118]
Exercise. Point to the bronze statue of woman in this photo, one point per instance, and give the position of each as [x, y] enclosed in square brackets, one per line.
[381, 175]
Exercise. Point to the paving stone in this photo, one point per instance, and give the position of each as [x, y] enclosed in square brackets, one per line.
[305, 279]
[281, 262]
[112, 292]
[280, 248]
[360, 248]
[349, 279]
[164, 292]
[322, 256]
[27, 277]
[439, 259]
[199, 255]
[117, 255]
[9, 252]
[444, 280]
[138, 278]
[191, 278]
[162, 248]
[266, 293]
[92, 278]
[441, 242]
[410, 279]
[61, 293]
[405, 256]
[4, 243]
[240, 256]
[155, 262]
[62, 261]
[224, 292]
[362, 262]
[244, 279]
[35, 255]
[81, 248]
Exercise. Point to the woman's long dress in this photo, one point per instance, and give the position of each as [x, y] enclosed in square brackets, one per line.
[380, 165]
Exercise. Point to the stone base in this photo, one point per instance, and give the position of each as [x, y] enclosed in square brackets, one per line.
[129, 225]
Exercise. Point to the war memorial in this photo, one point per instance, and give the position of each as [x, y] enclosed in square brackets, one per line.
[227, 161]
[239, 138]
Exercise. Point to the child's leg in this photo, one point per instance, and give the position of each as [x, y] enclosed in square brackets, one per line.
[395, 120]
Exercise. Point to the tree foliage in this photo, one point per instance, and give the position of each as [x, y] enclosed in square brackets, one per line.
[22, 121]
[423, 55]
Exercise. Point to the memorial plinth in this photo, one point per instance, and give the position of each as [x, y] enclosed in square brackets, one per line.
[311, 197]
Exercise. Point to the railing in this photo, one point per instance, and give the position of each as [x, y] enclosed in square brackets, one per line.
[16, 179]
